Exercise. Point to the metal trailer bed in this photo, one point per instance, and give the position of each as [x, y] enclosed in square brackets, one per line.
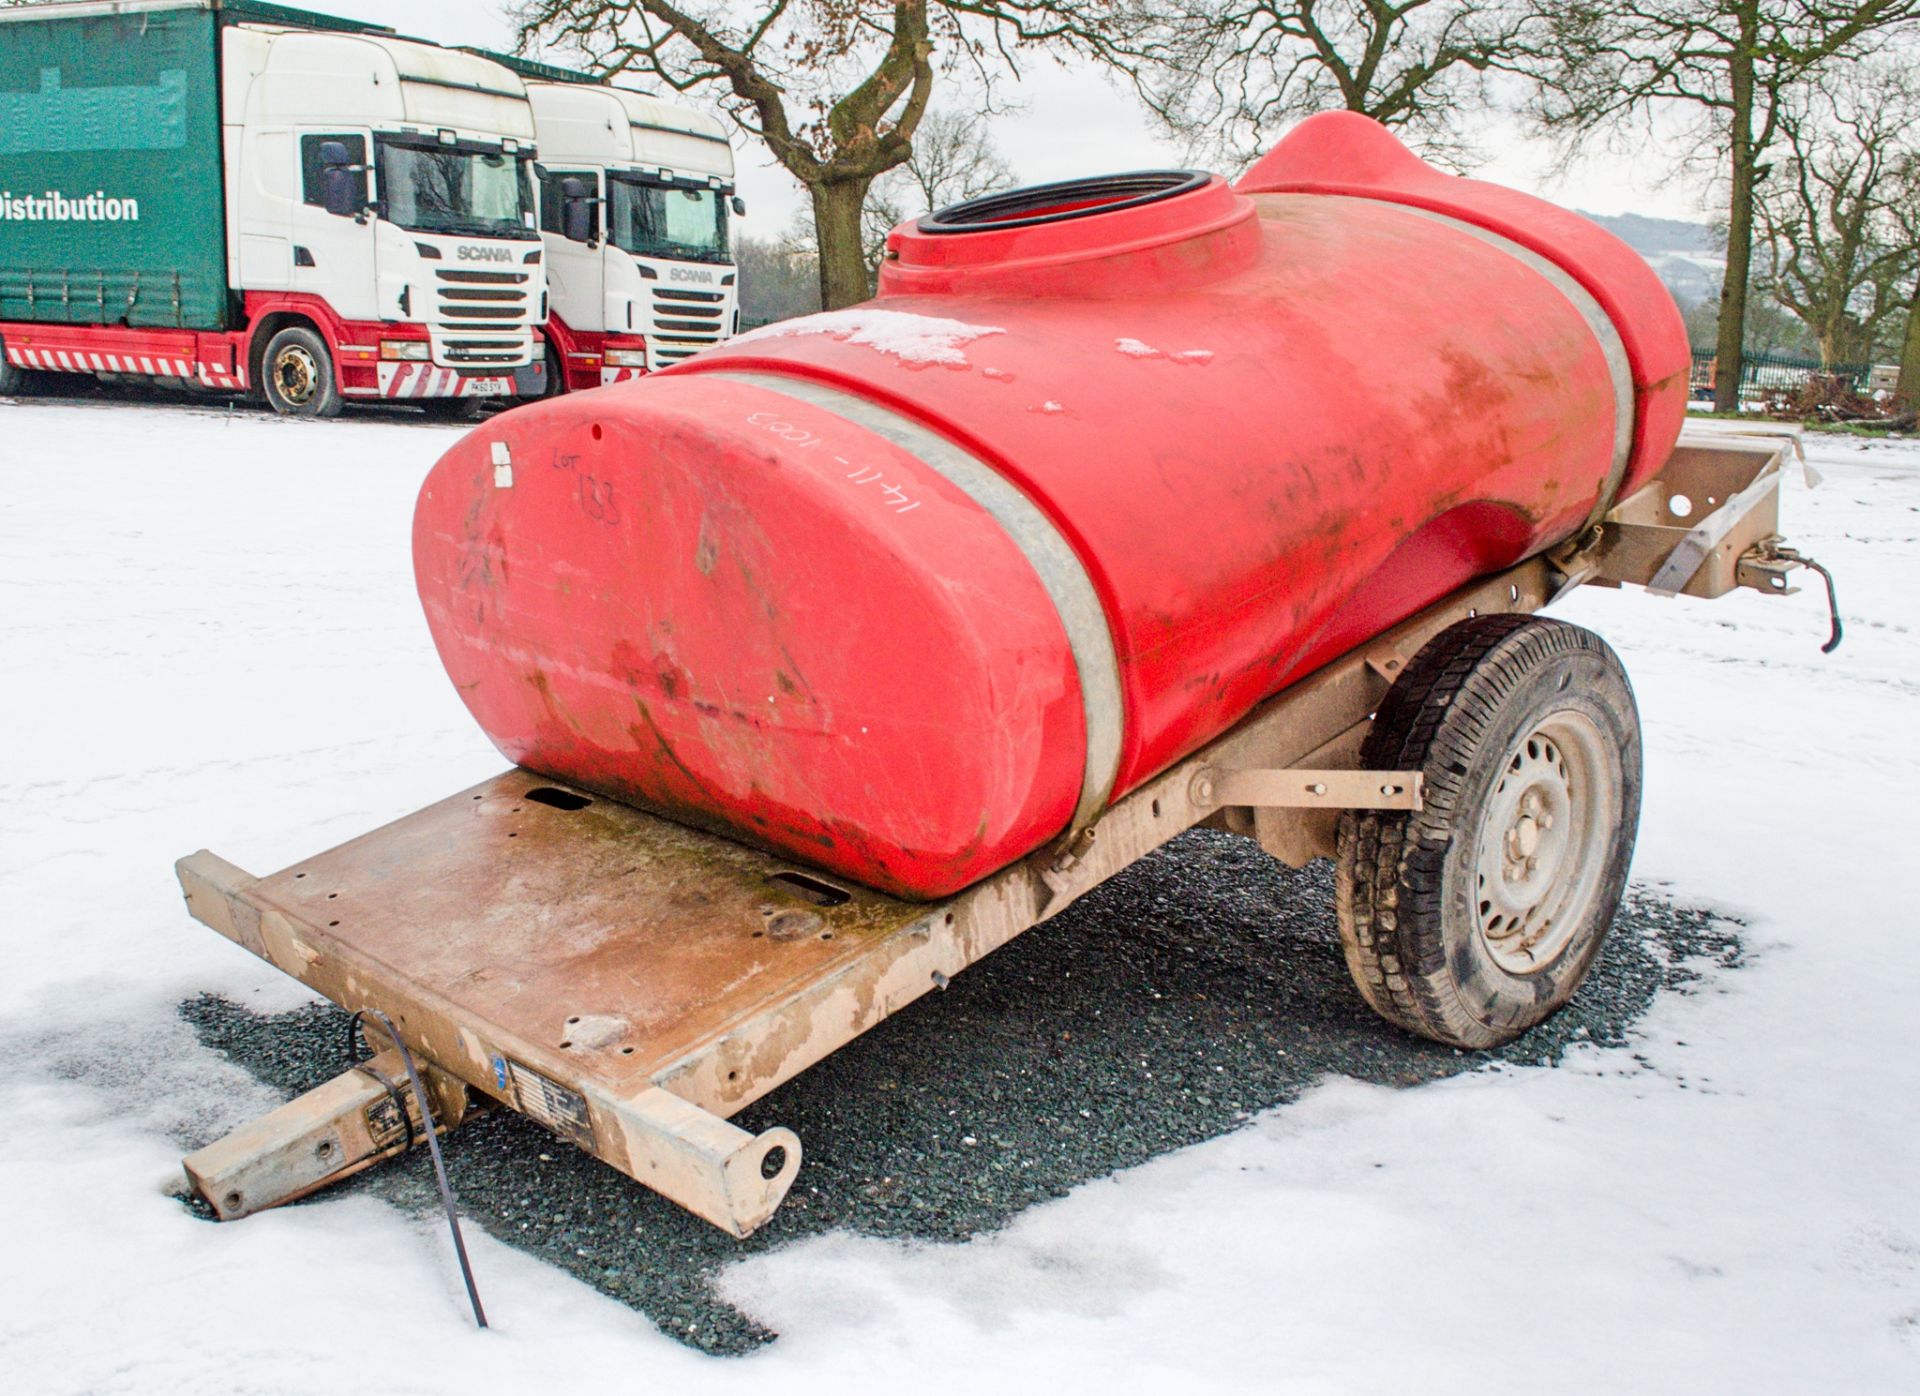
[631, 983]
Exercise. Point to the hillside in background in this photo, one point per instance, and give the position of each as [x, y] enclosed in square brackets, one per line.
[1651, 236]
[1690, 257]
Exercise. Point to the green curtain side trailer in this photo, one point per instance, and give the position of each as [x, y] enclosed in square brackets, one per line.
[112, 187]
[155, 224]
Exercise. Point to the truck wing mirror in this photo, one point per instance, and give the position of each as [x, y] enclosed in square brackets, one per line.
[739, 207]
[341, 190]
[576, 211]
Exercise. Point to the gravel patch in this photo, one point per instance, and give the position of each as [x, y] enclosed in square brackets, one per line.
[1200, 986]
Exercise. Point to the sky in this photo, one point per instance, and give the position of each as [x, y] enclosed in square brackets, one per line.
[1069, 122]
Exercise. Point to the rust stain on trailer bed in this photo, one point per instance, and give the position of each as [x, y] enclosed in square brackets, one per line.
[609, 936]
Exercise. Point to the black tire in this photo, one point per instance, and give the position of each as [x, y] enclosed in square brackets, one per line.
[14, 380]
[1520, 725]
[296, 374]
[453, 409]
[556, 373]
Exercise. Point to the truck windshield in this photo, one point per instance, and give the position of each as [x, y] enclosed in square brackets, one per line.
[449, 189]
[652, 217]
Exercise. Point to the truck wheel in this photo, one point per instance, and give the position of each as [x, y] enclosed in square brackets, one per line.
[14, 380]
[453, 409]
[297, 375]
[1478, 916]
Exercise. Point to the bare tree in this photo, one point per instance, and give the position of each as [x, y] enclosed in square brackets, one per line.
[1904, 342]
[1771, 328]
[835, 88]
[954, 159]
[1736, 65]
[1909, 385]
[1830, 212]
[779, 278]
[1227, 73]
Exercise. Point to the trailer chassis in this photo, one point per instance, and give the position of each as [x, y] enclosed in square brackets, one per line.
[631, 983]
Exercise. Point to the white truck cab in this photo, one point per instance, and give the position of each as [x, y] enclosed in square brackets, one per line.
[426, 251]
[641, 270]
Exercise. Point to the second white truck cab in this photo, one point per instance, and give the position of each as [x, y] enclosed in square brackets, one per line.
[635, 196]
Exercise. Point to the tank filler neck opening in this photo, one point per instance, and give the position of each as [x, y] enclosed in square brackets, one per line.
[1036, 204]
[1047, 239]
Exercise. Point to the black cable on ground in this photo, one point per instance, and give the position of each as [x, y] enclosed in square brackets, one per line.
[1833, 606]
[1794, 555]
[355, 1062]
[433, 1147]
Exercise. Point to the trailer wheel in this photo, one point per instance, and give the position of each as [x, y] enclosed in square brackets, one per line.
[297, 375]
[1478, 916]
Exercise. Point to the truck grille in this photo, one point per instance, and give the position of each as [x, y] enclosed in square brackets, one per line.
[685, 322]
[475, 311]
[484, 351]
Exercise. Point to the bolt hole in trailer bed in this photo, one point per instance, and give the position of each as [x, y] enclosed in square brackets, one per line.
[631, 982]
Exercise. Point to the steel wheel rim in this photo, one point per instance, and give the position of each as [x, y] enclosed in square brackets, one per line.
[296, 373]
[1538, 863]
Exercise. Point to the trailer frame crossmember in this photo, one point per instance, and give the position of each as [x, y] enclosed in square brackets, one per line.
[631, 983]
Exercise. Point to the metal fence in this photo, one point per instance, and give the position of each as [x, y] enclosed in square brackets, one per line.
[1763, 375]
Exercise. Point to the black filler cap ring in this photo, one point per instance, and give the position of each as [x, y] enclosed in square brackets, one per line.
[1035, 204]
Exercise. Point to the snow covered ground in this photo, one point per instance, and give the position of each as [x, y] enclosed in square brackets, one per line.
[208, 638]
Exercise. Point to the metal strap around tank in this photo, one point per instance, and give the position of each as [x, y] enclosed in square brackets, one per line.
[1059, 568]
[1612, 347]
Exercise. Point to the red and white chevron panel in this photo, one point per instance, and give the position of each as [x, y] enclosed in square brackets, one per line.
[83, 361]
[220, 378]
[620, 375]
[414, 380]
[152, 365]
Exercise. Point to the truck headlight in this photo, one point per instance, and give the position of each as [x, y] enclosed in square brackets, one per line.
[626, 358]
[405, 349]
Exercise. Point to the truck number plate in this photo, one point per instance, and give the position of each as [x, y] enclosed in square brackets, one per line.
[489, 387]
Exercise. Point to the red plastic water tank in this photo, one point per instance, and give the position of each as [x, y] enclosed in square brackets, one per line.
[904, 591]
